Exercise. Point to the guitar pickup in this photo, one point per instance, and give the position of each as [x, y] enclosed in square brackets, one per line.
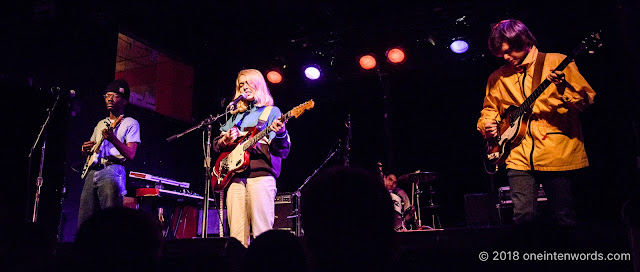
[493, 156]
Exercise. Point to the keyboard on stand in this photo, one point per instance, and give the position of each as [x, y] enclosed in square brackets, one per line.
[170, 200]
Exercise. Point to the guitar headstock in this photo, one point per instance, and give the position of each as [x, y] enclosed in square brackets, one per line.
[297, 111]
[115, 123]
[589, 44]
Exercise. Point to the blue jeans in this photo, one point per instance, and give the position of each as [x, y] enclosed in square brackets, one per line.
[557, 187]
[102, 189]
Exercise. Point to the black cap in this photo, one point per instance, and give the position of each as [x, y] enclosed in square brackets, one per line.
[119, 86]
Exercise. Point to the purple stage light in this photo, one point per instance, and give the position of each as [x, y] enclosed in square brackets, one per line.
[459, 46]
[312, 73]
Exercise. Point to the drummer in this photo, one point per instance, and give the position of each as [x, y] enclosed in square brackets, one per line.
[401, 203]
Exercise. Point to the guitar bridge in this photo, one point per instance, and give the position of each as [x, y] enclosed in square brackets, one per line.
[493, 156]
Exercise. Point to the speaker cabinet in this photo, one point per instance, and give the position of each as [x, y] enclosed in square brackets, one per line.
[283, 210]
[476, 210]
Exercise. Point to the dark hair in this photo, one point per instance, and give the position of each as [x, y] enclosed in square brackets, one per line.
[512, 32]
[276, 250]
[389, 172]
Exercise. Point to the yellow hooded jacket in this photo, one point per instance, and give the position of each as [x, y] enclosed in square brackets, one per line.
[553, 141]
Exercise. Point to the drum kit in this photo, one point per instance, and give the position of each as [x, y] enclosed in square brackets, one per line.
[419, 181]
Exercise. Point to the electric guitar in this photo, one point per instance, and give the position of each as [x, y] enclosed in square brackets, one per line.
[237, 160]
[513, 124]
[93, 157]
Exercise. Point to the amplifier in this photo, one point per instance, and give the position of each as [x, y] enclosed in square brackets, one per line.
[505, 205]
[283, 210]
[504, 195]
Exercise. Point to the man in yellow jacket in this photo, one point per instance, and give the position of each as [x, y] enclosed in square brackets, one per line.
[553, 147]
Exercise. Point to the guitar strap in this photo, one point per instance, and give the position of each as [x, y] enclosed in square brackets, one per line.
[537, 72]
[264, 116]
[262, 120]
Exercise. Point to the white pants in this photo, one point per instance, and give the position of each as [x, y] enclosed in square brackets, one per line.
[250, 203]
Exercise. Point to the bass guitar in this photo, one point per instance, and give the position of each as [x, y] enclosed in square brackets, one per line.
[237, 160]
[513, 124]
[93, 157]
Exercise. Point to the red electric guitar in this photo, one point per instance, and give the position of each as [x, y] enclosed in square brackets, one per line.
[237, 160]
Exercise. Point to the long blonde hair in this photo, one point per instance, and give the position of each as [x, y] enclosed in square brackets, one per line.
[262, 96]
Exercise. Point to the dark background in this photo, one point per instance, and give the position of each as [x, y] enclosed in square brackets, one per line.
[434, 100]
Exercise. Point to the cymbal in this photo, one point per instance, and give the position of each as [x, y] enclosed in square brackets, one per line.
[418, 177]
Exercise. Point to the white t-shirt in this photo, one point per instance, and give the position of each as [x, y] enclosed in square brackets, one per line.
[128, 131]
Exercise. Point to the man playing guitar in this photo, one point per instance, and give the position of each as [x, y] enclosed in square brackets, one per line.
[552, 148]
[105, 177]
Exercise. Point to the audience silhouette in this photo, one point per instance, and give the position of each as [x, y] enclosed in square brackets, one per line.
[27, 247]
[119, 239]
[348, 221]
[276, 250]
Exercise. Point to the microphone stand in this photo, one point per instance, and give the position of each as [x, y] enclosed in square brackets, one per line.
[348, 141]
[207, 165]
[40, 180]
[297, 212]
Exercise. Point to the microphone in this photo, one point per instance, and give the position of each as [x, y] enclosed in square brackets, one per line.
[63, 92]
[68, 96]
[235, 101]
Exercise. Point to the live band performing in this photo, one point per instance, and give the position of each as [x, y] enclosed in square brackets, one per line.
[322, 136]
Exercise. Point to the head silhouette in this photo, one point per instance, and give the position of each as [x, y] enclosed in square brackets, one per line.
[276, 250]
[347, 219]
[119, 239]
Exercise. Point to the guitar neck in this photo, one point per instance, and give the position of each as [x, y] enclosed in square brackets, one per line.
[527, 104]
[253, 140]
[543, 86]
[111, 126]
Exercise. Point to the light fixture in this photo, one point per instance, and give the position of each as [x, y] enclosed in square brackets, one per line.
[395, 55]
[367, 62]
[274, 77]
[312, 72]
[459, 46]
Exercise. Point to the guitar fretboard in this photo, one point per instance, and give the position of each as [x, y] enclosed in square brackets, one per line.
[528, 103]
[589, 44]
[253, 140]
